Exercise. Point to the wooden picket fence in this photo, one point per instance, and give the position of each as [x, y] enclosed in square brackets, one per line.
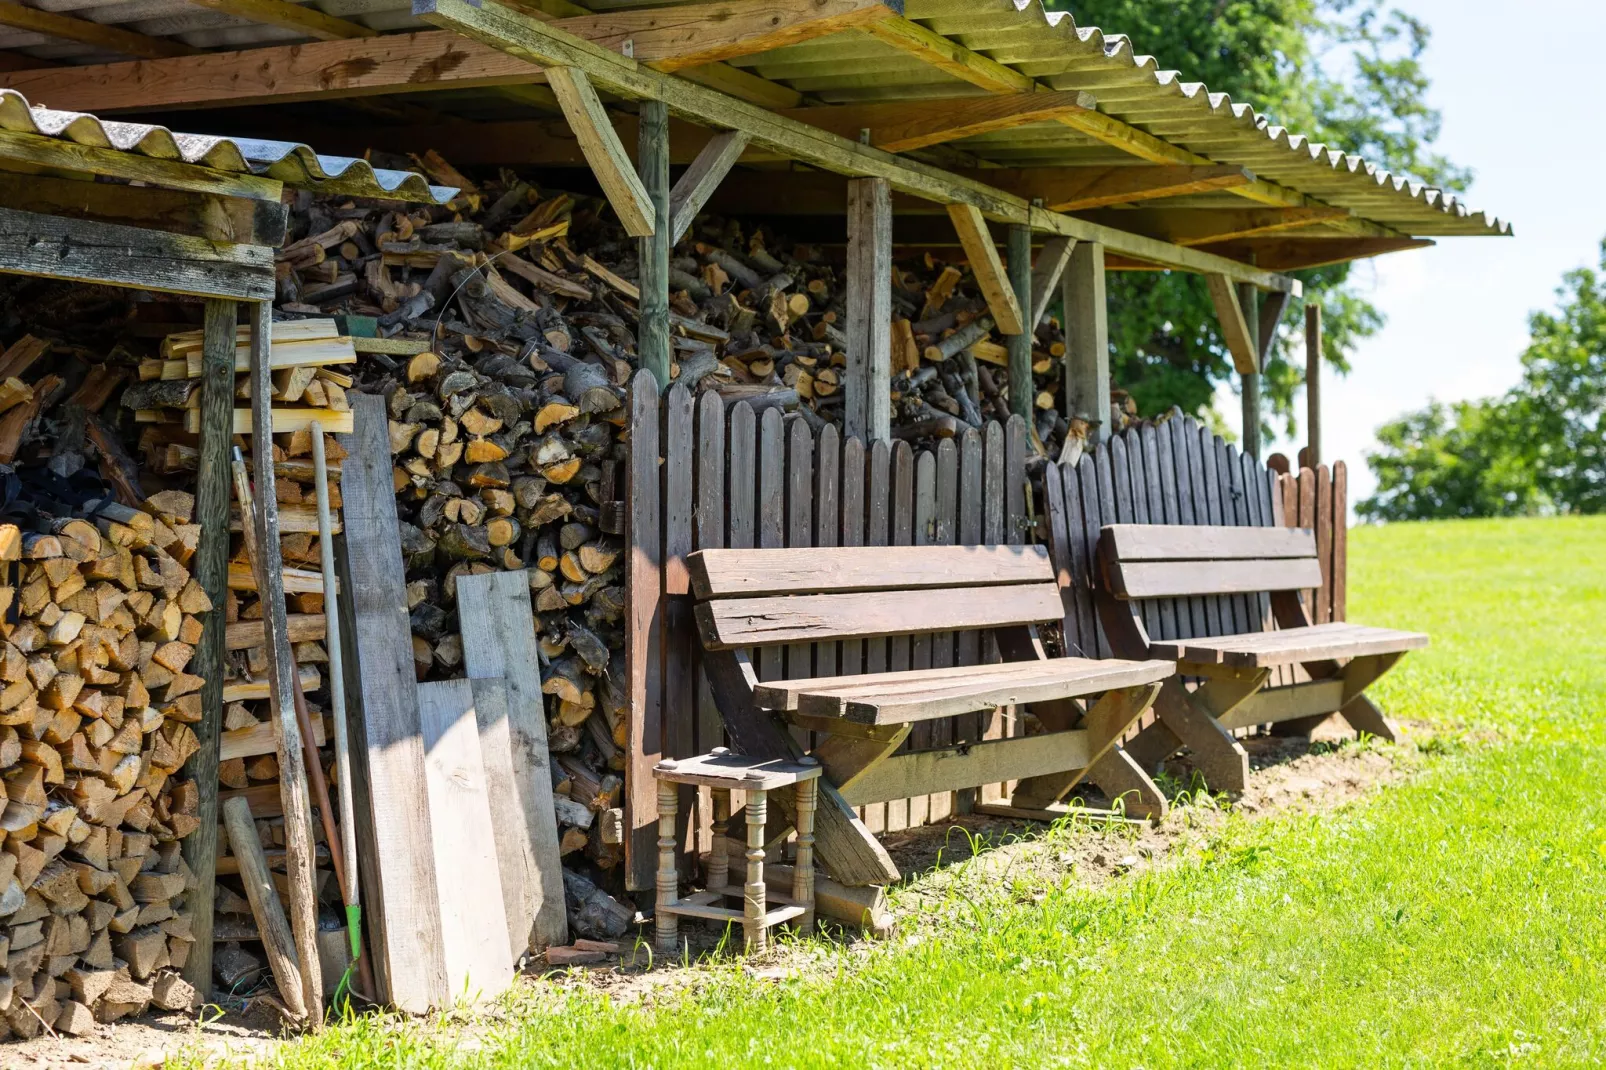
[703, 474]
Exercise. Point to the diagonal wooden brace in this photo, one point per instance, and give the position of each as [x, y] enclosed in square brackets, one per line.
[1105, 723]
[1182, 723]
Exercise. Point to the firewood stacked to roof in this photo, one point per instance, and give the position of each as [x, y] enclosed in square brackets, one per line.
[95, 715]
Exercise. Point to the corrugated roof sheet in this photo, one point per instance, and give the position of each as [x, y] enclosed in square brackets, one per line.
[294, 164]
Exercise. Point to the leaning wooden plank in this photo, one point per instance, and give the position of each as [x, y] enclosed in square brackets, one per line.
[108, 253]
[284, 421]
[388, 753]
[701, 179]
[272, 926]
[474, 937]
[726, 573]
[987, 267]
[739, 622]
[296, 580]
[249, 742]
[603, 150]
[499, 644]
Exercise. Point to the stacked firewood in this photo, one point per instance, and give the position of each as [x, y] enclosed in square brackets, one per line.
[101, 623]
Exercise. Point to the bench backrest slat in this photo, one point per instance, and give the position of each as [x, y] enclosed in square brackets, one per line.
[759, 598]
[746, 573]
[1166, 561]
[726, 623]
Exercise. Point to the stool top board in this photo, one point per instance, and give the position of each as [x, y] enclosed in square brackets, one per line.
[723, 769]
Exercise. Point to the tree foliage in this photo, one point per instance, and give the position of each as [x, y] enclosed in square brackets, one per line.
[1541, 447]
[1344, 72]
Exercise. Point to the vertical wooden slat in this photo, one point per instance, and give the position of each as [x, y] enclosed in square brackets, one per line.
[679, 641]
[800, 533]
[643, 632]
[211, 566]
[851, 652]
[1154, 488]
[1195, 510]
[1015, 482]
[945, 731]
[1233, 514]
[877, 532]
[994, 523]
[924, 532]
[1324, 543]
[1093, 480]
[1210, 481]
[710, 535]
[1256, 505]
[1340, 541]
[902, 515]
[1059, 548]
[1132, 503]
[771, 519]
[1307, 519]
[827, 521]
[967, 645]
[1170, 499]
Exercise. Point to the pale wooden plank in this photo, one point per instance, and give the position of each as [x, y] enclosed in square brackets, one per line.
[900, 646]
[1324, 544]
[1046, 275]
[609, 161]
[894, 702]
[701, 179]
[985, 264]
[499, 644]
[1340, 541]
[1235, 330]
[474, 933]
[745, 573]
[394, 830]
[867, 383]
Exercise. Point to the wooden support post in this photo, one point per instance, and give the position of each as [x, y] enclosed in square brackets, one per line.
[867, 394]
[1313, 387]
[269, 565]
[652, 339]
[701, 179]
[1087, 341]
[602, 148]
[971, 226]
[1249, 301]
[1021, 394]
[211, 571]
[1046, 276]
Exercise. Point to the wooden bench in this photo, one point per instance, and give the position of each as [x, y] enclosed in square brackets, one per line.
[1336, 662]
[869, 595]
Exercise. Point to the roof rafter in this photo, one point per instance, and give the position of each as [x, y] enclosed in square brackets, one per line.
[1077, 189]
[1200, 226]
[306, 18]
[902, 126]
[550, 45]
[111, 38]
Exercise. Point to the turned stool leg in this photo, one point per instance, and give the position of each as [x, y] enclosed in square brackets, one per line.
[803, 871]
[668, 924]
[719, 873]
[753, 906]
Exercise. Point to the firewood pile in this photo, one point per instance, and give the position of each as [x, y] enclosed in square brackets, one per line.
[100, 622]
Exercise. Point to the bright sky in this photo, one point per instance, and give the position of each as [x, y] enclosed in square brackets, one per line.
[1517, 86]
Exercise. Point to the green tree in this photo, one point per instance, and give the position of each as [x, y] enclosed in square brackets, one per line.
[1344, 72]
[1538, 448]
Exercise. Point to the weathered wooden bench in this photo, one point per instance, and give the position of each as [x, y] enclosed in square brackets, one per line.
[1139, 562]
[869, 595]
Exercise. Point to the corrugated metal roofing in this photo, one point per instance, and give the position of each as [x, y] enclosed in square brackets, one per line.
[294, 164]
[849, 67]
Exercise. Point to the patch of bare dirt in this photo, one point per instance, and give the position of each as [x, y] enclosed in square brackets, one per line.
[974, 854]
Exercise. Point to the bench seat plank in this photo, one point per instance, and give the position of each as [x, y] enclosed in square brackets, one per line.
[891, 699]
[729, 623]
[1288, 646]
[747, 573]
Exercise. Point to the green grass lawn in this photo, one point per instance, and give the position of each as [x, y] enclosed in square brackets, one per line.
[1454, 918]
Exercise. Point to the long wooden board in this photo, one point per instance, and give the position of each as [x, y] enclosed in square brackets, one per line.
[723, 573]
[474, 936]
[499, 643]
[393, 823]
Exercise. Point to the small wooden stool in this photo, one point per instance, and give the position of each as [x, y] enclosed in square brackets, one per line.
[723, 771]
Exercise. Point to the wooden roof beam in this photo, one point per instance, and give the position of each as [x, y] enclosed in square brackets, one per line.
[987, 267]
[111, 38]
[1234, 326]
[1200, 226]
[1079, 189]
[603, 150]
[304, 19]
[906, 125]
[521, 35]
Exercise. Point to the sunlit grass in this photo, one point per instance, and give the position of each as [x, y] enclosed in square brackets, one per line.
[1455, 918]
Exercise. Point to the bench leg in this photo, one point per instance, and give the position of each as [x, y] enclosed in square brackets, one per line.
[753, 892]
[1121, 778]
[1357, 709]
[667, 923]
[849, 851]
[719, 871]
[1180, 723]
[1105, 723]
